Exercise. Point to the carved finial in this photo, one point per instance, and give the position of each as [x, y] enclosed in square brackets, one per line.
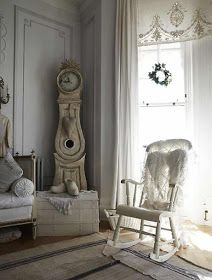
[33, 154]
[69, 63]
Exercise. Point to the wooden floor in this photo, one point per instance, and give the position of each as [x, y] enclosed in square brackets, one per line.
[199, 250]
[26, 241]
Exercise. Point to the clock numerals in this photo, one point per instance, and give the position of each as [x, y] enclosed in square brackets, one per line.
[69, 80]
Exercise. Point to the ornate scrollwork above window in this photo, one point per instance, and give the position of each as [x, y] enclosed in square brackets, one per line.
[196, 26]
[176, 14]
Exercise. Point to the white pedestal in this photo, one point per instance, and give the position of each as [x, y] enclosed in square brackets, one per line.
[84, 218]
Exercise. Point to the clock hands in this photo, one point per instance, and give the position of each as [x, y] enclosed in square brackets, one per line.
[67, 80]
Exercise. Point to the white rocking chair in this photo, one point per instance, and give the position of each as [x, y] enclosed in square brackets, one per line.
[162, 181]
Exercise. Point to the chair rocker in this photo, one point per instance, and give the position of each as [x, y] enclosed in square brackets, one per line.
[161, 187]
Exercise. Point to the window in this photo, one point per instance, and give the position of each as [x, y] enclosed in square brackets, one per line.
[162, 110]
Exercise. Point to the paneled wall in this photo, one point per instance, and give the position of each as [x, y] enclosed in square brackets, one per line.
[91, 65]
[98, 44]
[108, 12]
[39, 37]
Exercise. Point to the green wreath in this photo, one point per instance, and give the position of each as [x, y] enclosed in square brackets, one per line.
[160, 75]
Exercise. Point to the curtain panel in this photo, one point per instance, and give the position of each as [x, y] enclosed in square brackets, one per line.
[126, 85]
[202, 121]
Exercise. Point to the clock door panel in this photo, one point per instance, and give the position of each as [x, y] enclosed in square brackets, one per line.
[70, 143]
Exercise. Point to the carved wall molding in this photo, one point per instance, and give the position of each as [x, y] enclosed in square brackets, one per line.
[29, 26]
[41, 17]
[31, 18]
[27, 22]
[198, 27]
[3, 34]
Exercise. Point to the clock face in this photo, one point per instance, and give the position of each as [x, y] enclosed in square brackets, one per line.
[69, 81]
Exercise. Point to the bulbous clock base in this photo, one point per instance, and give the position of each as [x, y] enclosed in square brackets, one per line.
[67, 169]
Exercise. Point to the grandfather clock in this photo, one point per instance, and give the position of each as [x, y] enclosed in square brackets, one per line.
[69, 141]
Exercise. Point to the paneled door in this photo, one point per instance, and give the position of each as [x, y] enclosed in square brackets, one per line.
[41, 45]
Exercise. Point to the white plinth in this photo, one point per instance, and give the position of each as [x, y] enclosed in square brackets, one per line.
[84, 218]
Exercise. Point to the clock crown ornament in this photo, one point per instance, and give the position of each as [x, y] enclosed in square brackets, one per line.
[69, 63]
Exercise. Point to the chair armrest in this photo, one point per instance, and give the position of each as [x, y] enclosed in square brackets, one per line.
[124, 181]
[131, 194]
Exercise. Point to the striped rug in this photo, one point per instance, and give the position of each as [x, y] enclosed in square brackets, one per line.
[79, 258]
[137, 257]
[82, 258]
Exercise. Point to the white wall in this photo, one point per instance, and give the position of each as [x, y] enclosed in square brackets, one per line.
[98, 39]
[107, 100]
[39, 37]
[91, 65]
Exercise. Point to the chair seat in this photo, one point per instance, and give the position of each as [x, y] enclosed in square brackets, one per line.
[142, 213]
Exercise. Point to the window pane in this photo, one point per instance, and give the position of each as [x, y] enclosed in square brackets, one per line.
[157, 123]
[161, 121]
[170, 46]
[149, 91]
[146, 61]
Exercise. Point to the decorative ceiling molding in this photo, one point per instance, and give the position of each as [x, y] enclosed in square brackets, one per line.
[198, 28]
[3, 33]
[66, 5]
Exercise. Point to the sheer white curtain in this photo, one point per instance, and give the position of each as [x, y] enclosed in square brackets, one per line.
[202, 126]
[126, 81]
[198, 87]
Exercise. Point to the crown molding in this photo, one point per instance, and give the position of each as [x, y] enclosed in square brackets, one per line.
[66, 5]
